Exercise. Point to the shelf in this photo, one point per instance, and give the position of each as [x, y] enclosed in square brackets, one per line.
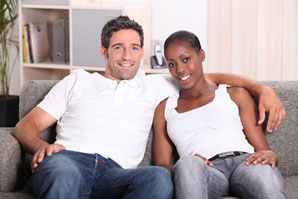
[42, 6]
[46, 65]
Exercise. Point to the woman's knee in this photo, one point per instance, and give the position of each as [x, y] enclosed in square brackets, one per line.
[190, 165]
[258, 180]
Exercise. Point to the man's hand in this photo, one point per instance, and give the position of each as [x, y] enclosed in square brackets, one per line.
[268, 101]
[205, 160]
[44, 150]
[263, 157]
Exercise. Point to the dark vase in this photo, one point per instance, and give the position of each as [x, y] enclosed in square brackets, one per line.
[9, 111]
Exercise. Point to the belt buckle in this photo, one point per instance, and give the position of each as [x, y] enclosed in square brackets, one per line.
[226, 154]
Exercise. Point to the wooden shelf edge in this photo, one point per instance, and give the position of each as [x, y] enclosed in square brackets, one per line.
[47, 66]
[45, 6]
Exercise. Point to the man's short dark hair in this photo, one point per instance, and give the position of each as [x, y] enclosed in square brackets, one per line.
[120, 23]
[186, 36]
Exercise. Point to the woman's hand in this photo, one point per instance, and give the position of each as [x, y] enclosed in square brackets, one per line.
[205, 160]
[263, 157]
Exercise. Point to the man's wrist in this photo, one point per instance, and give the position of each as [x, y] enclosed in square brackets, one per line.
[265, 90]
[40, 144]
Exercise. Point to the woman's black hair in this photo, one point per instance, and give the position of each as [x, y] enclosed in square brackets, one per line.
[186, 36]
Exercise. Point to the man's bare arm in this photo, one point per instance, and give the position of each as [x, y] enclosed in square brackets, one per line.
[268, 100]
[28, 130]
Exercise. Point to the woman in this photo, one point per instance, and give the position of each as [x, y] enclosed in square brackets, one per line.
[222, 149]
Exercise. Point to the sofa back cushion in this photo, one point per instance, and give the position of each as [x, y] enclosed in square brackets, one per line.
[31, 94]
[284, 141]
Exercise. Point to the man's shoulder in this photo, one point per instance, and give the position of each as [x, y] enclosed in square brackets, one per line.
[160, 79]
[80, 72]
[162, 85]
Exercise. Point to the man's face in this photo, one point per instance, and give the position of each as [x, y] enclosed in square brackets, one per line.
[123, 55]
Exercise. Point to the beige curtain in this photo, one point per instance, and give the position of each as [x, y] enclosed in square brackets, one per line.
[255, 38]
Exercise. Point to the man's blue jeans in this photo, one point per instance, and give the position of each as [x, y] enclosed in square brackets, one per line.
[69, 174]
[229, 176]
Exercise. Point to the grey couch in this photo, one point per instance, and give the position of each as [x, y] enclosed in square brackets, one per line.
[15, 163]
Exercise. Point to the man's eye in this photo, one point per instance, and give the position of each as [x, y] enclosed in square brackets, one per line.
[136, 48]
[117, 47]
[186, 59]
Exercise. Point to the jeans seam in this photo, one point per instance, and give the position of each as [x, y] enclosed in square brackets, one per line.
[111, 187]
[244, 191]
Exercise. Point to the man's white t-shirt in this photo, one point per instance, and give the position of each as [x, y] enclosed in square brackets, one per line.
[97, 115]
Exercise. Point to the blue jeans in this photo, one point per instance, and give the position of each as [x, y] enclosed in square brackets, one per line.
[69, 174]
[229, 176]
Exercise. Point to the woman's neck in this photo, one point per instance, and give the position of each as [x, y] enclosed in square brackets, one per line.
[202, 87]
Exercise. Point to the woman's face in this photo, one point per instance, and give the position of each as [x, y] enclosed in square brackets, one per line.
[184, 63]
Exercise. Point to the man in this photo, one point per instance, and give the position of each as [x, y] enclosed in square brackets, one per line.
[103, 125]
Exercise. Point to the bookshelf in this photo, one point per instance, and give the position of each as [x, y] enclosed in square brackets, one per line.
[84, 38]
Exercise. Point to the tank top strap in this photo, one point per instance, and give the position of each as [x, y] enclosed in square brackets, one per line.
[222, 91]
[171, 104]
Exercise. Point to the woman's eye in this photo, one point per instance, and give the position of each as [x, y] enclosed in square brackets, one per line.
[186, 59]
[171, 64]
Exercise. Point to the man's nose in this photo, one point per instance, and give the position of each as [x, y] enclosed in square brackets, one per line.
[126, 54]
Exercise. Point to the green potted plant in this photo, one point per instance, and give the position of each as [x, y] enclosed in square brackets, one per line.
[8, 40]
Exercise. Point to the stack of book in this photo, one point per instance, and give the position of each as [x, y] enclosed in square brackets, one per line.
[35, 42]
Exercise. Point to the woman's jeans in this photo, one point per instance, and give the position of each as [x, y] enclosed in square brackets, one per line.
[69, 174]
[229, 176]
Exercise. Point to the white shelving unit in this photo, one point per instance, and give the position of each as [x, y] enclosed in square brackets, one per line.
[37, 13]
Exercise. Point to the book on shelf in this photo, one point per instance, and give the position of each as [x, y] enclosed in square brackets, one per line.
[40, 42]
[28, 44]
[24, 44]
[35, 42]
[61, 41]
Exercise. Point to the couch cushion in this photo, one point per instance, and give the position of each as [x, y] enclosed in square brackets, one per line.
[291, 187]
[284, 141]
[32, 93]
[12, 173]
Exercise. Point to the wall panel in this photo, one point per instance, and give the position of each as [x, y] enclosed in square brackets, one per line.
[255, 38]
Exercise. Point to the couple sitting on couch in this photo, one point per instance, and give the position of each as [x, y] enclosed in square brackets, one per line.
[103, 124]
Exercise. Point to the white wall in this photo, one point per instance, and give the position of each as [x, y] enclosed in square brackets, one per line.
[168, 16]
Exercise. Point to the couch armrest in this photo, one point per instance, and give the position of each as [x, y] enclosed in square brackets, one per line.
[11, 162]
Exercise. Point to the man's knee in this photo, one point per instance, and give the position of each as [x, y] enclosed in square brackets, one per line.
[159, 175]
[55, 173]
[158, 180]
[58, 166]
